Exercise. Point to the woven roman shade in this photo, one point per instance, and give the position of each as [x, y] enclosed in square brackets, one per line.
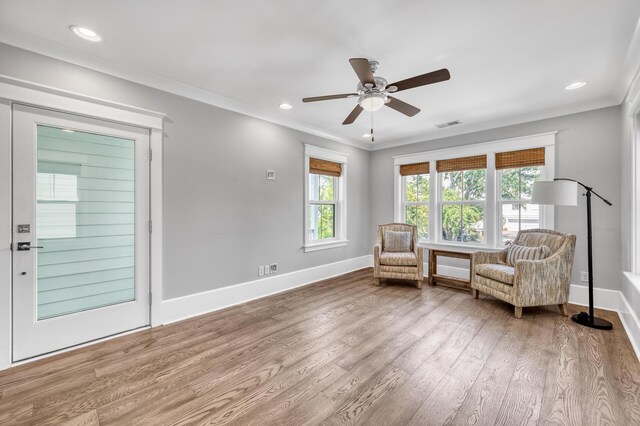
[464, 163]
[324, 167]
[523, 158]
[414, 169]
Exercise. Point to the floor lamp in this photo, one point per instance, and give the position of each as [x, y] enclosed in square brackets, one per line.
[563, 192]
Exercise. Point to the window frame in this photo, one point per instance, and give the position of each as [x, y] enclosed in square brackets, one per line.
[492, 229]
[339, 200]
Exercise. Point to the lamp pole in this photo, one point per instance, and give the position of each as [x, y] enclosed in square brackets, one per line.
[583, 318]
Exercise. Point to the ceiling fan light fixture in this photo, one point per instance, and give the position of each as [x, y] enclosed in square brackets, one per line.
[372, 101]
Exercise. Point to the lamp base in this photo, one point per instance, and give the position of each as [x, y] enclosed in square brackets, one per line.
[583, 319]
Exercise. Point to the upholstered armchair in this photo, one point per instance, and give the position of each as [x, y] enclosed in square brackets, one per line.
[398, 259]
[527, 282]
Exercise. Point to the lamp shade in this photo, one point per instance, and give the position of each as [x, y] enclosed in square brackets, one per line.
[557, 192]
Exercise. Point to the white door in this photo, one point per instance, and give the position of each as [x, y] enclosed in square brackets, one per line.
[80, 230]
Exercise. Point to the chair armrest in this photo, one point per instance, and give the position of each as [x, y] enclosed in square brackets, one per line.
[419, 252]
[543, 282]
[481, 257]
[376, 259]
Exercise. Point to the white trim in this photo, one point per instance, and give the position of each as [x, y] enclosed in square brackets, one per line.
[156, 238]
[323, 245]
[479, 148]
[6, 272]
[340, 239]
[14, 90]
[192, 305]
[41, 96]
[628, 75]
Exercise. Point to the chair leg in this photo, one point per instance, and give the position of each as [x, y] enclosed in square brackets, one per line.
[475, 292]
[376, 281]
[419, 284]
[563, 309]
[518, 311]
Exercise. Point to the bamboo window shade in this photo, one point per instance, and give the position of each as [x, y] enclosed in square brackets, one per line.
[523, 158]
[414, 169]
[324, 167]
[464, 163]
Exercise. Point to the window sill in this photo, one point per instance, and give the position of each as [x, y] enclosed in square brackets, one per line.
[324, 245]
[466, 248]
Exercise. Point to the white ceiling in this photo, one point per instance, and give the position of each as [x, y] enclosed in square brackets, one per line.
[509, 60]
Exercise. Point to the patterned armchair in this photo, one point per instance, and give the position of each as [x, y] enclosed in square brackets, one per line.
[405, 265]
[528, 282]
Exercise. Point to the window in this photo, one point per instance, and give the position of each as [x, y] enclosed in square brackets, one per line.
[463, 183]
[517, 171]
[415, 197]
[478, 195]
[322, 207]
[325, 199]
[514, 206]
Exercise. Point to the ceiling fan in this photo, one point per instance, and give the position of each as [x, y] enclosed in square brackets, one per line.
[373, 91]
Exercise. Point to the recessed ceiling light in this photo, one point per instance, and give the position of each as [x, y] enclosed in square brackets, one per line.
[85, 33]
[68, 130]
[576, 85]
[366, 135]
[285, 106]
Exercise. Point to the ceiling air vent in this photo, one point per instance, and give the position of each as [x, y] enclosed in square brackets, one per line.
[449, 124]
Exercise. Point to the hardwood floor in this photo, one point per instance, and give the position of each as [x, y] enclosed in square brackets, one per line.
[342, 351]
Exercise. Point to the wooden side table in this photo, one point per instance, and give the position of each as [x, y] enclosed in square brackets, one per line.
[435, 278]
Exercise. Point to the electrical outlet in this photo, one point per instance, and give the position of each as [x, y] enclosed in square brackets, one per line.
[584, 276]
[271, 175]
[260, 270]
[266, 269]
[273, 268]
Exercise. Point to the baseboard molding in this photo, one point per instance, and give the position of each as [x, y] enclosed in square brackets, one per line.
[602, 298]
[181, 308]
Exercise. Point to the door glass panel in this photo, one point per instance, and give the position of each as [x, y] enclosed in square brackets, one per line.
[85, 221]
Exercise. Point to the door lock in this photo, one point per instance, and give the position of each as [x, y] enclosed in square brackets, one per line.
[26, 246]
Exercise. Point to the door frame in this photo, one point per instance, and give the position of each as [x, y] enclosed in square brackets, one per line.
[14, 90]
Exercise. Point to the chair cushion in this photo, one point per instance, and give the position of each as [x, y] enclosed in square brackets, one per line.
[396, 241]
[516, 252]
[496, 271]
[407, 258]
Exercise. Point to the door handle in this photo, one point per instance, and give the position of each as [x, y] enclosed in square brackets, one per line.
[26, 246]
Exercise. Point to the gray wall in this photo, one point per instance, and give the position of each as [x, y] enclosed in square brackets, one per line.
[587, 149]
[222, 217]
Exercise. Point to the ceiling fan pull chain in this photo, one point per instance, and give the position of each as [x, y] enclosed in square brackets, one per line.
[372, 137]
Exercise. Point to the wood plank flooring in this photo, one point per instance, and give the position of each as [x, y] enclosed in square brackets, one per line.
[342, 352]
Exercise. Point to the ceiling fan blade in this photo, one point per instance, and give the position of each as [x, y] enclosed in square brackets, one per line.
[423, 80]
[328, 97]
[402, 107]
[354, 114]
[363, 70]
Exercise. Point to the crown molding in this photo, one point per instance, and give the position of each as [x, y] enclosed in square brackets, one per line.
[63, 53]
[630, 67]
[504, 122]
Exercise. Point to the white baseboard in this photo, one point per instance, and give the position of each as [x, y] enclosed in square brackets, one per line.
[201, 303]
[602, 298]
